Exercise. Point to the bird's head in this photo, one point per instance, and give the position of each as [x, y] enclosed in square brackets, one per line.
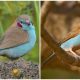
[25, 23]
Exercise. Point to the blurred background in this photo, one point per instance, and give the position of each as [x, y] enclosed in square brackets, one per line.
[10, 10]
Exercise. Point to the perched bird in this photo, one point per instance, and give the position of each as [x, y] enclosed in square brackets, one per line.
[19, 38]
[71, 44]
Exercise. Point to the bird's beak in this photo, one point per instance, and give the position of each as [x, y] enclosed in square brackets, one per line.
[28, 22]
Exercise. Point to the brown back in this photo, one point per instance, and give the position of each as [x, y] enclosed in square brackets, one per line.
[14, 36]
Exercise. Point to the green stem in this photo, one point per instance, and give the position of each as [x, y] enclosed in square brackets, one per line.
[36, 12]
[1, 30]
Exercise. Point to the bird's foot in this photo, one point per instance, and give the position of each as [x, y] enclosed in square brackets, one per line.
[74, 54]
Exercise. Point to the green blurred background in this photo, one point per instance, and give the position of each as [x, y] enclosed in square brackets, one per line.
[10, 10]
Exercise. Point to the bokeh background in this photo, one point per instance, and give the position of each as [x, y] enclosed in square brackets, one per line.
[10, 10]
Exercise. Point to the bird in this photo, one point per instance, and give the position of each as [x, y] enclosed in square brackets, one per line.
[19, 38]
[72, 44]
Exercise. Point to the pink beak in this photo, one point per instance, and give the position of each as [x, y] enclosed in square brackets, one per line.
[28, 22]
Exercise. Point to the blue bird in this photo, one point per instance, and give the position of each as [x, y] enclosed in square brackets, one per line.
[70, 44]
[19, 39]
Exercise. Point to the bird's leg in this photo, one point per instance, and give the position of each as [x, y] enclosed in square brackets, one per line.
[73, 53]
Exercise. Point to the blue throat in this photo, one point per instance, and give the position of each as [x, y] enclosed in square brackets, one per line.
[32, 36]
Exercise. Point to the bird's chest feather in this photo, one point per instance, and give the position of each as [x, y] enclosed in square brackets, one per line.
[14, 37]
[24, 48]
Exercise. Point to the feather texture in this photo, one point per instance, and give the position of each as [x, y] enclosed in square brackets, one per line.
[14, 36]
[17, 40]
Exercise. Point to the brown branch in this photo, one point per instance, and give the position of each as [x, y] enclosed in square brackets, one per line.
[50, 41]
[46, 7]
[45, 54]
[56, 48]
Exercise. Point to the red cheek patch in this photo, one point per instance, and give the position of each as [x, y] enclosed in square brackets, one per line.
[19, 24]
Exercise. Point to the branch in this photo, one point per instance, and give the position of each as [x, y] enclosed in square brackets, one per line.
[50, 41]
[46, 7]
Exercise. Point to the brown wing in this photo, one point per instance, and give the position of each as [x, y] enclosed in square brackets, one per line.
[14, 36]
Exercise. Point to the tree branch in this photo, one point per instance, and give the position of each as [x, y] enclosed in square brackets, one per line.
[50, 41]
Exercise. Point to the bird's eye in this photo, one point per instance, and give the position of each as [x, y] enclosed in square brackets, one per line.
[21, 22]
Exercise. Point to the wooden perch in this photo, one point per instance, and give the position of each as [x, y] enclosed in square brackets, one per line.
[56, 47]
[48, 52]
[46, 7]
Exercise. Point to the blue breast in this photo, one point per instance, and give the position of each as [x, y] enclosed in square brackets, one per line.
[22, 49]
